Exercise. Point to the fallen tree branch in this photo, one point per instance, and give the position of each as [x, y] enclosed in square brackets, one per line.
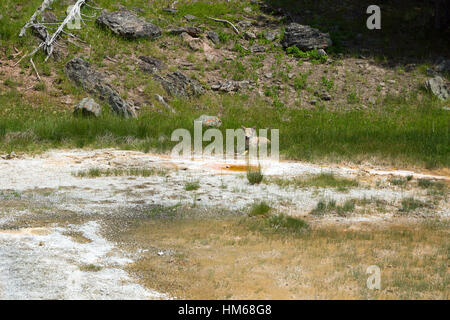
[34, 67]
[225, 21]
[46, 4]
[75, 13]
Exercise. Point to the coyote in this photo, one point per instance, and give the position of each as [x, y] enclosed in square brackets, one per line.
[251, 138]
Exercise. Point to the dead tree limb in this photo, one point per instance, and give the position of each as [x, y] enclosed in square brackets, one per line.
[225, 21]
[46, 4]
[75, 13]
[35, 70]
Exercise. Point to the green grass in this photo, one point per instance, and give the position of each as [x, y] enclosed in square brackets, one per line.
[430, 184]
[398, 181]
[411, 204]
[255, 176]
[90, 268]
[139, 172]
[322, 180]
[308, 55]
[330, 207]
[191, 185]
[277, 224]
[259, 209]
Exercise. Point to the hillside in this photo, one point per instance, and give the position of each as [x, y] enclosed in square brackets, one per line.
[365, 100]
[94, 206]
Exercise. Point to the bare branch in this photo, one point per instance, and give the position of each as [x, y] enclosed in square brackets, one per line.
[34, 67]
[46, 4]
[226, 21]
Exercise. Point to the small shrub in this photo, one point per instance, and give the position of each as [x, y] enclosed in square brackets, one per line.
[40, 86]
[398, 181]
[254, 176]
[286, 224]
[300, 82]
[327, 83]
[311, 55]
[191, 185]
[90, 268]
[260, 209]
[324, 207]
[426, 184]
[352, 98]
[411, 204]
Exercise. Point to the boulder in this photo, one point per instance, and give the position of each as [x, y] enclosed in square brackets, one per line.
[230, 85]
[80, 72]
[209, 121]
[305, 38]
[190, 17]
[438, 87]
[88, 107]
[213, 36]
[192, 31]
[443, 66]
[180, 85]
[151, 65]
[195, 44]
[257, 48]
[128, 25]
[270, 35]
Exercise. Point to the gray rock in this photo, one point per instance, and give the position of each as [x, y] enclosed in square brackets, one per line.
[230, 85]
[249, 35]
[210, 121]
[323, 95]
[257, 48]
[180, 85]
[438, 87]
[322, 52]
[93, 82]
[431, 72]
[244, 24]
[88, 107]
[443, 67]
[305, 38]
[151, 65]
[190, 17]
[271, 35]
[128, 25]
[192, 31]
[213, 36]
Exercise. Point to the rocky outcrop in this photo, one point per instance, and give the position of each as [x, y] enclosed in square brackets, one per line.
[192, 31]
[88, 107]
[150, 64]
[180, 85]
[230, 85]
[305, 38]
[213, 36]
[438, 87]
[93, 82]
[128, 25]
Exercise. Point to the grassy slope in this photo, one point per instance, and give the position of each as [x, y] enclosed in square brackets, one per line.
[408, 128]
